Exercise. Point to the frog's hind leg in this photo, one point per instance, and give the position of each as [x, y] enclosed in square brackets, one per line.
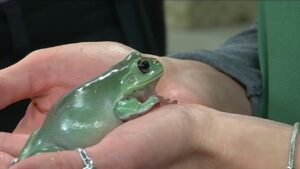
[28, 146]
[32, 147]
[44, 149]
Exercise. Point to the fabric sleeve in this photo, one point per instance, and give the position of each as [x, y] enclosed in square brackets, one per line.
[238, 58]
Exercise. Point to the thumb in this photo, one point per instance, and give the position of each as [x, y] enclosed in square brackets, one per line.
[12, 143]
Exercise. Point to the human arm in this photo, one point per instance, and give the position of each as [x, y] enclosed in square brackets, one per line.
[237, 58]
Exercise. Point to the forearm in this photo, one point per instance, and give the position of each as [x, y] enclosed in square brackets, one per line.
[238, 58]
[252, 143]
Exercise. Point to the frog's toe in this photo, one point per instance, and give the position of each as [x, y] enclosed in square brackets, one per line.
[166, 101]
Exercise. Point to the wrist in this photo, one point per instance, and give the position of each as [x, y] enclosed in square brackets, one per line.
[205, 134]
[297, 152]
[249, 142]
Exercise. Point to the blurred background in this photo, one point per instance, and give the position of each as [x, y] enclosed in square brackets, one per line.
[205, 24]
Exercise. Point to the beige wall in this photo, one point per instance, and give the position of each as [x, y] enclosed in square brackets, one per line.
[194, 14]
[205, 24]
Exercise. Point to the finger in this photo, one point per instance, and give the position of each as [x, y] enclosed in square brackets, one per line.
[38, 71]
[62, 159]
[5, 160]
[12, 143]
[23, 84]
[31, 76]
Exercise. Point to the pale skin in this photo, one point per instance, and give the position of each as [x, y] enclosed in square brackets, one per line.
[186, 135]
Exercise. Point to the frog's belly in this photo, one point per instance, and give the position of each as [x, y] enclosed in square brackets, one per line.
[71, 134]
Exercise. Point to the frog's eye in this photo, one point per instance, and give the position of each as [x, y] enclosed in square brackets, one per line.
[144, 66]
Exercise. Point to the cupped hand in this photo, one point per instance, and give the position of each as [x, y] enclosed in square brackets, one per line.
[47, 74]
[44, 76]
[164, 138]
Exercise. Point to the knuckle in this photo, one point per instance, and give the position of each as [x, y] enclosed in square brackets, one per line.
[36, 53]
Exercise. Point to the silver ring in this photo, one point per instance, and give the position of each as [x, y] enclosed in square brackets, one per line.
[88, 162]
[14, 161]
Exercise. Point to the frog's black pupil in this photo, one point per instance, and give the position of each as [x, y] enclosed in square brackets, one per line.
[144, 66]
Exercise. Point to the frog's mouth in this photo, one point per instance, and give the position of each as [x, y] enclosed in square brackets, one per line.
[143, 94]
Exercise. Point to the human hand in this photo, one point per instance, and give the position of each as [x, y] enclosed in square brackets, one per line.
[165, 138]
[178, 137]
[42, 83]
[195, 82]
[10, 146]
[44, 76]
[47, 74]
[121, 148]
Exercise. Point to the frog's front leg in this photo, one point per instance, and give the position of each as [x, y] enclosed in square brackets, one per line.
[130, 108]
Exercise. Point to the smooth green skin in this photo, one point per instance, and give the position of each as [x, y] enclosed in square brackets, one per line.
[85, 115]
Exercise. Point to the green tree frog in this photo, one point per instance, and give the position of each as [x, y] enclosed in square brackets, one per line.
[85, 115]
